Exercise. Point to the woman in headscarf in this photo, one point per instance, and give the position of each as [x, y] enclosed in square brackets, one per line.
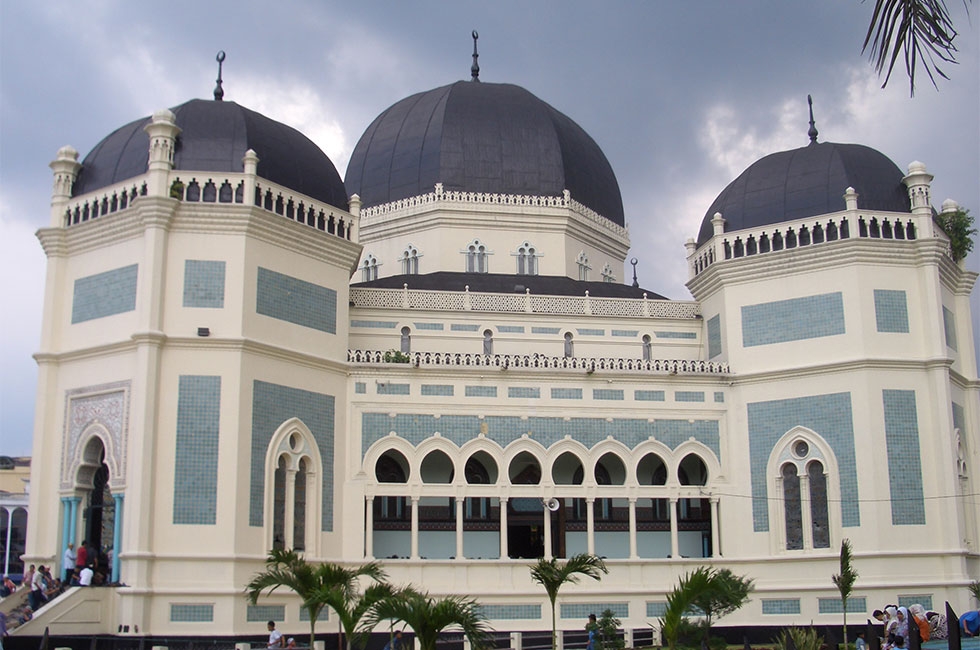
[903, 623]
[937, 626]
[919, 619]
[891, 627]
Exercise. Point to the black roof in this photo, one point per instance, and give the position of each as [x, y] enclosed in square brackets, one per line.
[214, 137]
[806, 182]
[480, 137]
[540, 285]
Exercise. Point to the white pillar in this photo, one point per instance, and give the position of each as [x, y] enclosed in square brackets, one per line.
[590, 525]
[10, 529]
[547, 533]
[459, 527]
[250, 163]
[163, 132]
[632, 533]
[674, 544]
[504, 553]
[715, 533]
[369, 529]
[289, 517]
[415, 528]
[805, 507]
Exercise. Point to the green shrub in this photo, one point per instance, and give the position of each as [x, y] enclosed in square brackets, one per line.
[804, 638]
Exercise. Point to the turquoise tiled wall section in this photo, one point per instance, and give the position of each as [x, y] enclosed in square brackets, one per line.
[204, 284]
[566, 393]
[181, 613]
[523, 392]
[506, 429]
[649, 395]
[196, 457]
[582, 610]
[949, 327]
[583, 331]
[719, 397]
[628, 333]
[714, 336]
[511, 612]
[104, 294]
[793, 320]
[388, 388]
[272, 405]
[374, 324]
[304, 615]
[607, 394]
[891, 311]
[827, 415]
[688, 396]
[676, 335]
[481, 391]
[510, 329]
[545, 330]
[429, 326]
[464, 327]
[360, 387]
[263, 613]
[912, 599]
[855, 605]
[441, 390]
[904, 457]
[656, 608]
[780, 606]
[296, 301]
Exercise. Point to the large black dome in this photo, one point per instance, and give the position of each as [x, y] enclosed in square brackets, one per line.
[480, 137]
[806, 182]
[214, 137]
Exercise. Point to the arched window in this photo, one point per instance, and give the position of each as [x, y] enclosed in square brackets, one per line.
[476, 257]
[793, 507]
[487, 342]
[819, 521]
[527, 259]
[802, 465]
[369, 269]
[647, 348]
[607, 274]
[293, 501]
[406, 342]
[569, 349]
[410, 260]
[583, 266]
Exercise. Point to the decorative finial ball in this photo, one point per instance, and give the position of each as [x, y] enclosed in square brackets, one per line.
[165, 115]
[634, 261]
[221, 56]
[949, 205]
[476, 34]
[67, 152]
[916, 166]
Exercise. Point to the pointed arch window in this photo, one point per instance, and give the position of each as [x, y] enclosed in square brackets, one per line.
[607, 274]
[805, 479]
[406, 341]
[488, 342]
[647, 348]
[583, 266]
[292, 499]
[477, 257]
[527, 259]
[569, 346]
[410, 260]
[369, 268]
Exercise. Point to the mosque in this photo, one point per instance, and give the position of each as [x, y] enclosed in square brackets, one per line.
[439, 361]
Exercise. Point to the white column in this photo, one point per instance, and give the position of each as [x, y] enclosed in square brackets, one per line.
[10, 529]
[369, 528]
[674, 545]
[503, 529]
[632, 533]
[805, 507]
[590, 525]
[547, 533]
[415, 528]
[715, 533]
[289, 517]
[459, 527]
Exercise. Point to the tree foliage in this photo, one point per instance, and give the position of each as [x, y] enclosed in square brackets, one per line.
[844, 581]
[352, 610]
[974, 588]
[710, 592]
[608, 631]
[552, 574]
[798, 638]
[428, 617]
[958, 226]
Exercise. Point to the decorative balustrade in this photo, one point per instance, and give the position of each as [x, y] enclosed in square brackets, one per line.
[538, 362]
[105, 201]
[421, 299]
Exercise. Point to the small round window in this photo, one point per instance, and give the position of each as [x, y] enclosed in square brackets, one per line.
[801, 448]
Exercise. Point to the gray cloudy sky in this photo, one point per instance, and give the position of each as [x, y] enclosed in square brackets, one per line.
[681, 96]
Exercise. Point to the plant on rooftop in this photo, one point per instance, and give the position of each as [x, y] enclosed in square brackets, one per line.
[958, 226]
[396, 356]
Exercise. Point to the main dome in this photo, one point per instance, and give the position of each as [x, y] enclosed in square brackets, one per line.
[214, 138]
[480, 137]
[806, 182]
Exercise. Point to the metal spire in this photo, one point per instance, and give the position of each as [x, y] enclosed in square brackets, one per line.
[475, 68]
[813, 127]
[634, 262]
[219, 92]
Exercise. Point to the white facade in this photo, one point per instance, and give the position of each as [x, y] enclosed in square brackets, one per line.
[212, 361]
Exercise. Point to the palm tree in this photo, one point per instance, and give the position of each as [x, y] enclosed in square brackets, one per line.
[350, 611]
[714, 592]
[286, 568]
[428, 617]
[845, 580]
[552, 574]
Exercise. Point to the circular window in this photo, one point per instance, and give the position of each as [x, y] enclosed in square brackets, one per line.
[801, 448]
[295, 442]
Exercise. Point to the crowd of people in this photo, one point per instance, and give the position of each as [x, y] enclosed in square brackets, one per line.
[931, 625]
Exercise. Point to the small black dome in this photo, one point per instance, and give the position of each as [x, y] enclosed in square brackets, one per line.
[806, 182]
[480, 137]
[214, 138]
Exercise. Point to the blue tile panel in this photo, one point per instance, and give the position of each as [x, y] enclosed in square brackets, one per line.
[304, 614]
[949, 326]
[196, 457]
[464, 327]
[649, 395]
[630, 333]
[264, 613]
[511, 612]
[827, 415]
[429, 326]
[855, 605]
[688, 396]
[374, 324]
[714, 336]
[913, 599]
[904, 457]
[582, 610]
[481, 391]
[204, 284]
[272, 405]
[388, 388]
[181, 613]
[504, 430]
[590, 332]
[607, 394]
[360, 387]
[676, 335]
[719, 397]
[780, 605]
[296, 301]
[523, 392]
[545, 330]
[510, 329]
[566, 393]
[793, 320]
[891, 311]
[104, 294]
[441, 390]
[959, 419]
[656, 608]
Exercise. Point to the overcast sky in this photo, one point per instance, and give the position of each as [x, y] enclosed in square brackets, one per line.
[681, 96]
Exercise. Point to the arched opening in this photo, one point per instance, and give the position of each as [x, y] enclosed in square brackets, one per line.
[569, 349]
[391, 514]
[653, 515]
[525, 516]
[13, 538]
[819, 518]
[406, 340]
[437, 514]
[569, 529]
[487, 342]
[694, 515]
[793, 507]
[279, 505]
[98, 514]
[481, 515]
[647, 348]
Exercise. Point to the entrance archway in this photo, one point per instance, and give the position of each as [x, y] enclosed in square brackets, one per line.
[99, 513]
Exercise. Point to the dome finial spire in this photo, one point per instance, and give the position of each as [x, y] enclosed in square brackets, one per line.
[634, 262]
[475, 68]
[812, 132]
[219, 92]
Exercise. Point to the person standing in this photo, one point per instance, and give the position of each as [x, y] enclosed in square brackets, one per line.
[81, 557]
[395, 642]
[593, 627]
[970, 623]
[68, 561]
[275, 637]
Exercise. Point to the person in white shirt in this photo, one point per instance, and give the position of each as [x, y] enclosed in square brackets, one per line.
[68, 562]
[85, 577]
[275, 637]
